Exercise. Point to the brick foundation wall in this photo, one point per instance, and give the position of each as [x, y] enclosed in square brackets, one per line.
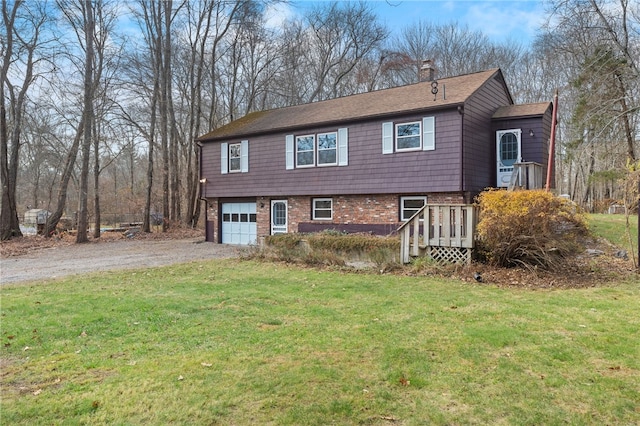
[212, 216]
[379, 214]
[263, 216]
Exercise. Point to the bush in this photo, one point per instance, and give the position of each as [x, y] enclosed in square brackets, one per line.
[528, 228]
[331, 248]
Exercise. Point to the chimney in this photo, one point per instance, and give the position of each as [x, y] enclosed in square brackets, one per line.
[427, 71]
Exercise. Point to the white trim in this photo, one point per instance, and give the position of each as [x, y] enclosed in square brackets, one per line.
[419, 135]
[410, 198]
[313, 151]
[428, 133]
[387, 138]
[317, 146]
[289, 152]
[343, 147]
[230, 159]
[503, 173]
[224, 158]
[279, 229]
[314, 208]
[244, 156]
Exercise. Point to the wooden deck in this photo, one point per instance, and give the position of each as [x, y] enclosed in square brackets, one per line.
[444, 232]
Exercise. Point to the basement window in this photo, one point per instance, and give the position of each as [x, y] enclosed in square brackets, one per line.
[322, 209]
[410, 206]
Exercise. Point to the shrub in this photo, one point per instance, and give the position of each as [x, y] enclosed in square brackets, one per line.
[331, 248]
[528, 228]
[284, 241]
[353, 243]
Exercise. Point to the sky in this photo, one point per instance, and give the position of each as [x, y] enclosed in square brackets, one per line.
[500, 20]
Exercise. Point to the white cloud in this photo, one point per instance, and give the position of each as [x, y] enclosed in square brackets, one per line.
[500, 20]
[276, 14]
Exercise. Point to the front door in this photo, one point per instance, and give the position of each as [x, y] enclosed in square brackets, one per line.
[278, 217]
[508, 152]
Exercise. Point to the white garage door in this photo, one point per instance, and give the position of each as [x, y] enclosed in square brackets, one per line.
[239, 223]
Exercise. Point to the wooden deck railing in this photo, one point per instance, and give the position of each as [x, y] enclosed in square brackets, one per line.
[526, 175]
[439, 226]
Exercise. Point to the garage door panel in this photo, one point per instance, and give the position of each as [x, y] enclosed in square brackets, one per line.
[239, 223]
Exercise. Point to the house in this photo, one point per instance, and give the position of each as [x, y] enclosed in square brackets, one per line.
[367, 162]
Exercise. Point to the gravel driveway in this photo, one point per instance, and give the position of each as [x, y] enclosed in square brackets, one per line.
[60, 261]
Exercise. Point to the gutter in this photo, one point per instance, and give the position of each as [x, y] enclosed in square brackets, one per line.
[204, 139]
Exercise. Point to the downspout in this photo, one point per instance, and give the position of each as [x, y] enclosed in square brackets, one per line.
[202, 191]
[200, 178]
[461, 183]
[552, 142]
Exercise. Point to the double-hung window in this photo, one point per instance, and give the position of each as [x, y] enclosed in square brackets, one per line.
[305, 151]
[234, 157]
[322, 209]
[409, 136]
[317, 150]
[410, 206]
[327, 149]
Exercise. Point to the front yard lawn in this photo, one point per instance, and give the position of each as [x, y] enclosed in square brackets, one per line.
[243, 342]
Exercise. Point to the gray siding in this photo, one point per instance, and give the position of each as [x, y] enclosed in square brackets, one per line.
[479, 156]
[368, 172]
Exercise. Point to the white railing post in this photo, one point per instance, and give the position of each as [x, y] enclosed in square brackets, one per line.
[415, 246]
[453, 227]
[404, 245]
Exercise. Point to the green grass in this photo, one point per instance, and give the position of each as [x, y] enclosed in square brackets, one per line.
[613, 228]
[244, 343]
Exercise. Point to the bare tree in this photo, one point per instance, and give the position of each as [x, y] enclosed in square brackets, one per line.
[208, 22]
[24, 24]
[339, 36]
[598, 43]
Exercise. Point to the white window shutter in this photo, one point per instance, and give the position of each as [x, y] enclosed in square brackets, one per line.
[224, 158]
[387, 138]
[289, 152]
[343, 147]
[244, 156]
[429, 133]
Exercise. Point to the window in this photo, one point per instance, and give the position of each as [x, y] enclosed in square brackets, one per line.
[234, 157]
[408, 136]
[323, 149]
[305, 151]
[327, 149]
[411, 136]
[509, 148]
[322, 209]
[410, 206]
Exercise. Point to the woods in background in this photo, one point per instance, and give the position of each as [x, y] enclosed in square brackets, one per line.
[101, 100]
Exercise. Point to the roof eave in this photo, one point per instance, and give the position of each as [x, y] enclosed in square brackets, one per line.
[288, 129]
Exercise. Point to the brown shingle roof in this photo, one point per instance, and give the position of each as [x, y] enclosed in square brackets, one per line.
[525, 110]
[414, 97]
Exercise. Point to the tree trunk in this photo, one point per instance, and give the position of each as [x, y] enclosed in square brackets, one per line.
[83, 212]
[69, 165]
[9, 161]
[96, 186]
